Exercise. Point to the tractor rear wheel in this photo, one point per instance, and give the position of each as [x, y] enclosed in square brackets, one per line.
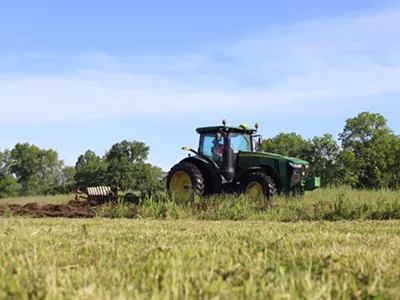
[259, 185]
[184, 180]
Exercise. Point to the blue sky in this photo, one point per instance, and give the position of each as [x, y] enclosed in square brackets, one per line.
[84, 75]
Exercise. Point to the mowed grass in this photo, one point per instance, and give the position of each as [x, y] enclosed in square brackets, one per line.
[58, 199]
[189, 259]
[331, 244]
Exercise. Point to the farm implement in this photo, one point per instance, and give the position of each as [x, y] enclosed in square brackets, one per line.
[98, 194]
[105, 194]
[226, 161]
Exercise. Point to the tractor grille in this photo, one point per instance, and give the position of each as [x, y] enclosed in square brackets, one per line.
[297, 175]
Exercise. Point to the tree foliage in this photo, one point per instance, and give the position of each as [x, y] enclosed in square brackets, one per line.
[125, 164]
[35, 169]
[68, 175]
[289, 144]
[322, 153]
[9, 186]
[369, 156]
[30, 170]
[5, 162]
[90, 170]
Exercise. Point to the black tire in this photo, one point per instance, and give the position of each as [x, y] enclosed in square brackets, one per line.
[131, 198]
[188, 171]
[264, 181]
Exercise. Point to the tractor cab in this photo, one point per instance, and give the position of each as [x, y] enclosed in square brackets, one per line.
[222, 144]
[213, 139]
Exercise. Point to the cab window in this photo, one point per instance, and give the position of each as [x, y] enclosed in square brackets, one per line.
[210, 146]
[240, 142]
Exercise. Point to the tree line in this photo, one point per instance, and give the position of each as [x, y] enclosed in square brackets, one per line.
[365, 156]
[29, 170]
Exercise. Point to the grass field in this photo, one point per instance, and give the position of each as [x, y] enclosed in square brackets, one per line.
[59, 199]
[324, 204]
[107, 259]
[331, 245]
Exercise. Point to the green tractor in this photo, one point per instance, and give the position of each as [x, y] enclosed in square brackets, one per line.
[226, 162]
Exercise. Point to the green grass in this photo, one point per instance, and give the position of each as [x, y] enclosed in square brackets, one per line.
[58, 199]
[324, 204]
[187, 259]
[333, 244]
[329, 205]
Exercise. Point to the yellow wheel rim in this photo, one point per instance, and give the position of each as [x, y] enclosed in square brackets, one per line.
[181, 185]
[254, 189]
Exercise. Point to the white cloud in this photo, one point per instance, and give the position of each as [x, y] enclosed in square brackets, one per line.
[326, 64]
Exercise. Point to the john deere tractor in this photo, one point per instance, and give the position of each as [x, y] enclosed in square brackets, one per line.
[226, 161]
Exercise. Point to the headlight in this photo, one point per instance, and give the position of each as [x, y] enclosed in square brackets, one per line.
[295, 165]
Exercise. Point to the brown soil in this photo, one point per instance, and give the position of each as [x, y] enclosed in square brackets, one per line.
[74, 209]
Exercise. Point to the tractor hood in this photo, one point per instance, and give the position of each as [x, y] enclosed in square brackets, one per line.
[293, 160]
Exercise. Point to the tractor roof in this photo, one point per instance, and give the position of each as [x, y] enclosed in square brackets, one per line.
[240, 129]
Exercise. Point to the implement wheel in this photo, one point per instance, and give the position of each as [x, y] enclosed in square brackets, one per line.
[259, 185]
[184, 180]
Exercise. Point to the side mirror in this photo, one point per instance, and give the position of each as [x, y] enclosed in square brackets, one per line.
[218, 137]
[260, 141]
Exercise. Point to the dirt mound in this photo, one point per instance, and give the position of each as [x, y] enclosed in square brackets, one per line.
[85, 203]
[74, 209]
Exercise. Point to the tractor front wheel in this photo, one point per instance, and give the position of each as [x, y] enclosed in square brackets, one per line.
[184, 180]
[259, 185]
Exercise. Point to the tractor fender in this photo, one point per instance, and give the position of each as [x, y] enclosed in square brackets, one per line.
[267, 169]
[212, 178]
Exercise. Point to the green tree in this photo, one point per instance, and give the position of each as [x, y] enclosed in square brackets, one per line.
[68, 174]
[368, 158]
[322, 153]
[160, 177]
[125, 165]
[35, 169]
[24, 161]
[144, 176]
[396, 168]
[289, 144]
[67, 180]
[9, 186]
[89, 170]
[50, 167]
[5, 162]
